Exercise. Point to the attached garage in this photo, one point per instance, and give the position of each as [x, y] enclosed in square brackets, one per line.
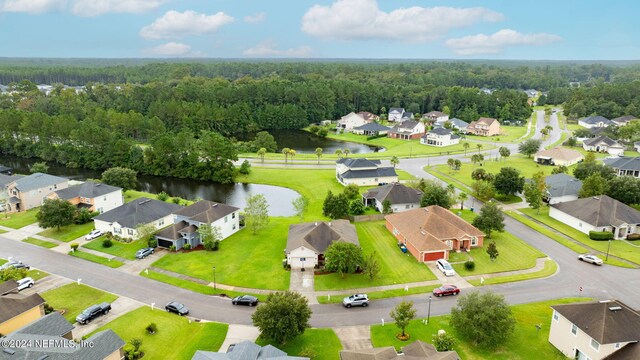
[433, 256]
[165, 243]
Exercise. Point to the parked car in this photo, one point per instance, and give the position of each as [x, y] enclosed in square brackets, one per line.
[590, 259]
[446, 268]
[446, 290]
[94, 234]
[356, 300]
[245, 300]
[25, 283]
[15, 265]
[143, 253]
[178, 308]
[93, 312]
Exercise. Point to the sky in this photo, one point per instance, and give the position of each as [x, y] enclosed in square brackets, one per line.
[361, 29]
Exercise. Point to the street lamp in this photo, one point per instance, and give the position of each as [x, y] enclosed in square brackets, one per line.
[214, 278]
[429, 311]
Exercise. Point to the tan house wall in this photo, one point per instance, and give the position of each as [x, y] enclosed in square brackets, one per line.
[563, 339]
[21, 320]
[116, 355]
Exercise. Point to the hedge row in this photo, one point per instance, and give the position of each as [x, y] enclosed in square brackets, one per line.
[600, 235]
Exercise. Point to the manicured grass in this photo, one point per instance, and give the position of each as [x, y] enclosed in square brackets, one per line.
[550, 268]
[396, 267]
[176, 338]
[42, 243]
[68, 233]
[244, 259]
[527, 343]
[74, 298]
[618, 248]
[18, 220]
[508, 134]
[37, 274]
[335, 299]
[119, 249]
[323, 343]
[96, 259]
[403, 175]
[563, 138]
[3, 231]
[508, 199]
[548, 233]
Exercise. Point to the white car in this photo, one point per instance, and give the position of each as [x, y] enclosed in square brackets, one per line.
[446, 268]
[94, 234]
[25, 283]
[590, 259]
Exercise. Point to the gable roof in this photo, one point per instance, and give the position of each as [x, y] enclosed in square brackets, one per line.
[8, 179]
[369, 173]
[458, 123]
[604, 325]
[247, 350]
[404, 126]
[594, 120]
[623, 163]
[440, 131]
[623, 119]
[396, 110]
[601, 139]
[139, 211]
[206, 211]
[319, 236]
[13, 304]
[596, 131]
[37, 181]
[87, 189]
[628, 352]
[396, 193]
[354, 163]
[367, 116]
[8, 287]
[434, 114]
[485, 121]
[53, 324]
[560, 153]
[407, 115]
[600, 211]
[372, 126]
[562, 185]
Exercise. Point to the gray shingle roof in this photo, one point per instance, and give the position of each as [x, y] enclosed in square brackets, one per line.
[4, 169]
[399, 110]
[601, 139]
[8, 286]
[139, 211]
[458, 123]
[409, 124]
[37, 181]
[206, 211]
[624, 163]
[87, 189]
[358, 163]
[53, 324]
[562, 185]
[593, 120]
[441, 131]
[372, 126]
[623, 119]
[173, 232]
[12, 305]
[396, 193]
[8, 179]
[247, 350]
[600, 211]
[320, 235]
[373, 173]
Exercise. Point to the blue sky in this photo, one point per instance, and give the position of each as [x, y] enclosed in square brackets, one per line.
[507, 29]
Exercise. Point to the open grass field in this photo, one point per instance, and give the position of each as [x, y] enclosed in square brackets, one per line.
[177, 337]
[119, 249]
[322, 343]
[96, 259]
[38, 242]
[68, 233]
[548, 233]
[74, 298]
[18, 220]
[527, 343]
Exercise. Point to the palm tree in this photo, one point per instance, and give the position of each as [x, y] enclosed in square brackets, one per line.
[339, 153]
[262, 153]
[450, 162]
[457, 164]
[479, 146]
[292, 153]
[465, 145]
[462, 197]
[286, 152]
[394, 161]
[318, 154]
[346, 152]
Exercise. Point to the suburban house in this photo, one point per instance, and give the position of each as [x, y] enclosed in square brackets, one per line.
[459, 125]
[54, 329]
[368, 117]
[400, 197]
[17, 310]
[5, 170]
[371, 129]
[350, 121]
[606, 329]
[558, 156]
[307, 242]
[531, 93]
[440, 137]
[436, 117]
[484, 127]
[186, 222]
[30, 191]
[418, 350]
[91, 196]
[247, 350]
[396, 114]
[625, 166]
[594, 121]
[407, 130]
[430, 233]
[623, 120]
[596, 131]
[603, 144]
[598, 213]
[124, 220]
[363, 172]
[5, 180]
[561, 188]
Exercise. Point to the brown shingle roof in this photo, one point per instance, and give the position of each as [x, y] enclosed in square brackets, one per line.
[8, 286]
[319, 236]
[600, 211]
[486, 121]
[206, 211]
[12, 305]
[173, 232]
[561, 153]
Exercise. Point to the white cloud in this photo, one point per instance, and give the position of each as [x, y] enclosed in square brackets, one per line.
[255, 18]
[170, 49]
[175, 24]
[363, 19]
[269, 49]
[100, 7]
[31, 6]
[495, 43]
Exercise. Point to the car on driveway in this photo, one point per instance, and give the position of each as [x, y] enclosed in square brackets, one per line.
[590, 259]
[14, 265]
[93, 312]
[94, 234]
[143, 253]
[25, 283]
[446, 290]
[446, 268]
[245, 300]
[356, 300]
[178, 308]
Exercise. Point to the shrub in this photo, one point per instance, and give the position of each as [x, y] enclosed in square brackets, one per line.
[107, 243]
[162, 196]
[172, 248]
[74, 246]
[152, 328]
[176, 200]
[187, 246]
[469, 265]
[352, 191]
[83, 216]
[245, 168]
[152, 242]
[600, 235]
[314, 129]
[443, 341]
[634, 236]
[308, 352]
[48, 309]
[322, 132]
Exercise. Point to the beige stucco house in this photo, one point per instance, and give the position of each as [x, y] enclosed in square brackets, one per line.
[484, 127]
[307, 242]
[558, 156]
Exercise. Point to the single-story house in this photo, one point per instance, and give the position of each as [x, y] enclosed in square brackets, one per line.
[368, 117]
[407, 130]
[607, 329]
[401, 197]
[187, 220]
[418, 350]
[623, 120]
[395, 114]
[558, 156]
[307, 242]
[371, 129]
[531, 93]
[603, 144]
[91, 196]
[625, 166]
[459, 125]
[595, 121]
[16, 309]
[30, 191]
[350, 121]
[124, 220]
[430, 233]
[246, 350]
[440, 137]
[598, 213]
[484, 127]
[561, 188]
[436, 117]
[363, 172]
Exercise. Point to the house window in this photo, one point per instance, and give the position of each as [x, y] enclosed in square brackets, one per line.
[303, 259]
[233, 215]
[161, 222]
[574, 329]
[117, 230]
[555, 315]
[130, 232]
[234, 227]
[407, 206]
[617, 346]
[595, 345]
[474, 241]
[104, 198]
[226, 218]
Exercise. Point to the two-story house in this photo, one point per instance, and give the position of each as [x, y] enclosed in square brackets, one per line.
[363, 172]
[30, 191]
[91, 196]
[625, 166]
[188, 220]
[595, 121]
[484, 127]
[407, 130]
[350, 121]
[440, 137]
[395, 114]
[436, 117]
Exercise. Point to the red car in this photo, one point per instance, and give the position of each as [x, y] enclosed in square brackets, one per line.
[446, 290]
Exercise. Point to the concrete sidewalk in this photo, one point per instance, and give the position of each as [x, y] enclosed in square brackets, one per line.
[239, 333]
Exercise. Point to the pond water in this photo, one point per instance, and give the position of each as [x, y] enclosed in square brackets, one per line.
[279, 198]
[304, 142]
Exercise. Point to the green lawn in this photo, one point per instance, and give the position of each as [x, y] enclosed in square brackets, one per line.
[96, 259]
[38, 242]
[74, 298]
[244, 259]
[68, 233]
[3, 231]
[527, 343]
[18, 220]
[550, 268]
[176, 338]
[563, 138]
[508, 134]
[37, 274]
[322, 343]
[548, 233]
[508, 199]
[119, 249]
[396, 267]
[335, 299]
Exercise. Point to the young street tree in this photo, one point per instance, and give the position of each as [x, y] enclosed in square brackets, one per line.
[492, 250]
[403, 313]
[342, 258]
[300, 204]
[286, 152]
[318, 153]
[534, 191]
[504, 152]
[256, 213]
[122, 177]
[508, 181]
[485, 319]
[262, 152]
[394, 161]
[210, 237]
[490, 219]
[55, 213]
[282, 317]
[462, 197]
[370, 265]
[465, 146]
[530, 147]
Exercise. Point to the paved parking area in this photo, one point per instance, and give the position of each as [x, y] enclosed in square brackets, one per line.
[121, 306]
[238, 333]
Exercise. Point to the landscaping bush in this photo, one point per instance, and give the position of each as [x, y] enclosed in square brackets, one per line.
[107, 243]
[162, 196]
[314, 129]
[48, 309]
[152, 242]
[152, 328]
[187, 247]
[74, 246]
[634, 236]
[352, 191]
[172, 248]
[308, 352]
[176, 200]
[12, 274]
[600, 235]
[469, 265]
[84, 216]
[356, 207]
[443, 341]
[322, 132]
